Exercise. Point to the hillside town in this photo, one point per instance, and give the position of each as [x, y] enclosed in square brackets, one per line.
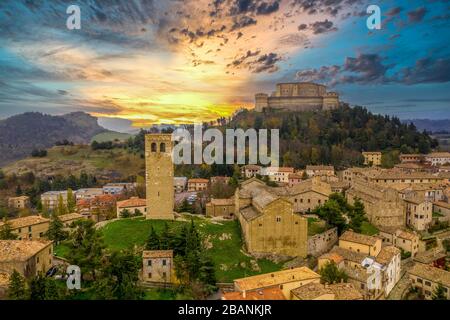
[362, 233]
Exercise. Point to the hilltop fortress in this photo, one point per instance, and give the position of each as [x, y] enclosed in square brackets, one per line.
[299, 96]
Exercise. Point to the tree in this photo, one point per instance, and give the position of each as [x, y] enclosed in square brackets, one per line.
[43, 288]
[357, 216]
[119, 278]
[165, 239]
[61, 208]
[55, 230]
[86, 247]
[19, 191]
[17, 289]
[439, 293]
[71, 202]
[330, 273]
[153, 240]
[331, 212]
[125, 213]
[6, 232]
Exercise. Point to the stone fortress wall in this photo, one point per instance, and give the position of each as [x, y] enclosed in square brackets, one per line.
[298, 96]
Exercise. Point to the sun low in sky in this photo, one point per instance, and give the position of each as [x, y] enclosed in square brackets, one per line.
[198, 60]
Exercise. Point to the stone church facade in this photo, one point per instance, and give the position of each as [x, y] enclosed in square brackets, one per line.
[298, 96]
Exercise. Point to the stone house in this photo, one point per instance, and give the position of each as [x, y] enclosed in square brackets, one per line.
[26, 257]
[419, 213]
[21, 202]
[158, 266]
[307, 195]
[68, 219]
[285, 280]
[250, 171]
[313, 171]
[197, 184]
[179, 184]
[372, 157]
[268, 222]
[29, 228]
[221, 208]
[132, 204]
[427, 278]
[335, 291]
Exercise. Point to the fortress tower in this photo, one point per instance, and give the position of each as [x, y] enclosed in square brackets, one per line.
[297, 96]
[159, 176]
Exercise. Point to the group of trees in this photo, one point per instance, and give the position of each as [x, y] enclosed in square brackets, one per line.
[107, 275]
[337, 212]
[335, 137]
[330, 273]
[37, 288]
[39, 153]
[125, 213]
[194, 268]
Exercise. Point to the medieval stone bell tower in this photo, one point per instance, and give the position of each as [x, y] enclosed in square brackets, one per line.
[159, 176]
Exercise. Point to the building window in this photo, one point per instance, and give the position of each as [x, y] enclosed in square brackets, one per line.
[162, 147]
[260, 224]
[37, 259]
[29, 229]
[428, 283]
[164, 275]
[149, 262]
[153, 148]
[164, 262]
[278, 219]
[419, 280]
[149, 274]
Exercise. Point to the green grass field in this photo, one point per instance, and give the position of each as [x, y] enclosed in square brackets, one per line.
[222, 240]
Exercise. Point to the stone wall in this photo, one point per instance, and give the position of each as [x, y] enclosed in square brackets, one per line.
[322, 242]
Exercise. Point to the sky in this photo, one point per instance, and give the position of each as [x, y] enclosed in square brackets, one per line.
[186, 61]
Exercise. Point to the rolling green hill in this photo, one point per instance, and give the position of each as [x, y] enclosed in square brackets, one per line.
[64, 160]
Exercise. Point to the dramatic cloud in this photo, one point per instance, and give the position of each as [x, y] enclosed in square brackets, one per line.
[417, 15]
[370, 69]
[322, 26]
[426, 71]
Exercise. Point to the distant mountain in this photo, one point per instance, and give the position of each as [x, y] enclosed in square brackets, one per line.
[431, 125]
[20, 134]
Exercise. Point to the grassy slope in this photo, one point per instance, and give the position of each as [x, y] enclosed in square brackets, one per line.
[74, 159]
[226, 253]
[110, 136]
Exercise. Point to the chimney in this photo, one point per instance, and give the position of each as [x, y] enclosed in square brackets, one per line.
[244, 294]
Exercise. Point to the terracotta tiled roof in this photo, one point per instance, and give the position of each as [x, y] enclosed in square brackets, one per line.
[387, 254]
[358, 238]
[320, 168]
[263, 294]
[286, 169]
[132, 202]
[20, 250]
[442, 204]
[340, 291]
[198, 180]
[25, 221]
[431, 273]
[70, 216]
[406, 235]
[157, 254]
[275, 278]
